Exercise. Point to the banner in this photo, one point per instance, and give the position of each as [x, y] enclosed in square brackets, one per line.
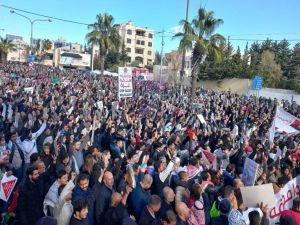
[125, 82]
[7, 186]
[256, 194]
[249, 172]
[284, 199]
[282, 123]
[29, 90]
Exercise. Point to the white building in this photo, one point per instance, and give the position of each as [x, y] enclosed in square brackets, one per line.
[138, 43]
[21, 51]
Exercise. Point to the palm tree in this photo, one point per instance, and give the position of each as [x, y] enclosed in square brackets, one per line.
[105, 36]
[6, 46]
[199, 36]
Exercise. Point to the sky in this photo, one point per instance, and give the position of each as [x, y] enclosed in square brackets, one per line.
[243, 20]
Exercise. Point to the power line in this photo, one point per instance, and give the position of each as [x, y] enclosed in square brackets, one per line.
[42, 15]
[253, 40]
[56, 18]
[267, 34]
[169, 32]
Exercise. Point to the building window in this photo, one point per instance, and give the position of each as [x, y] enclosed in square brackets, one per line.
[139, 51]
[149, 53]
[129, 32]
[138, 42]
[140, 33]
[139, 59]
[128, 59]
[128, 41]
[150, 35]
[149, 44]
[128, 49]
[142, 42]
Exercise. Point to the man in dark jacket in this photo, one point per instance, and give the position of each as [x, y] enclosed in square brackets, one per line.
[30, 201]
[104, 197]
[148, 214]
[183, 213]
[140, 196]
[169, 197]
[83, 191]
[80, 216]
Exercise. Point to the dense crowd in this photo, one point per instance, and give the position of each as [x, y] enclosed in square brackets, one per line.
[83, 156]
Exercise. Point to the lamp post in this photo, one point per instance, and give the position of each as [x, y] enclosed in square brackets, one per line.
[31, 25]
[184, 50]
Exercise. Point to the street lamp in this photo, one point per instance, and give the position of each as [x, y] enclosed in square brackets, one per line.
[184, 50]
[31, 25]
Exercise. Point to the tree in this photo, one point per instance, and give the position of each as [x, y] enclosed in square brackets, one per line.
[37, 48]
[295, 62]
[255, 58]
[123, 54]
[283, 56]
[269, 69]
[207, 42]
[47, 45]
[157, 58]
[112, 61]
[105, 36]
[6, 46]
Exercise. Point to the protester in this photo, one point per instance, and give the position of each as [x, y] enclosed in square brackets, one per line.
[54, 120]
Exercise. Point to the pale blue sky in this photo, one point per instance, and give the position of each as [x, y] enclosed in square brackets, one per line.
[252, 19]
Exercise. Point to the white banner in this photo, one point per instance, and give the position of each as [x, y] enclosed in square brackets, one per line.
[125, 82]
[29, 90]
[284, 199]
[282, 123]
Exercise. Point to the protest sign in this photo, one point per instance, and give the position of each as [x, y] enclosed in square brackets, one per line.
[29, 90]
[7, 186]
[256, 194]
[201, 118]
[125, 82]
[249, 172]
[99, 105]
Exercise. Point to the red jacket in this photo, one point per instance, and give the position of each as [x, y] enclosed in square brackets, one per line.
[294, 214]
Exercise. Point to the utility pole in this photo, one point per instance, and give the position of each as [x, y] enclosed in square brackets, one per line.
[184, 50]
[31, 25]
[161, 54]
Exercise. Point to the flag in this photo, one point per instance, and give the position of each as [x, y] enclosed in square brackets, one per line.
[209, 159]
[283, 123]
[7, 185]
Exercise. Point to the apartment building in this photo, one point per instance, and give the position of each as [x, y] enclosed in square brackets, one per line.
[174, 62]
[21, 51]
[138, 43]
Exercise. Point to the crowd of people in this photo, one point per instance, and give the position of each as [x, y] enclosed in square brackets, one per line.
[84, 157]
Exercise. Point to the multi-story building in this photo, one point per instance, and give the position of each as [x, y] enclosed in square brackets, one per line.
[174, 62]
[12, 37]
[21, 50]
[138, 43]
